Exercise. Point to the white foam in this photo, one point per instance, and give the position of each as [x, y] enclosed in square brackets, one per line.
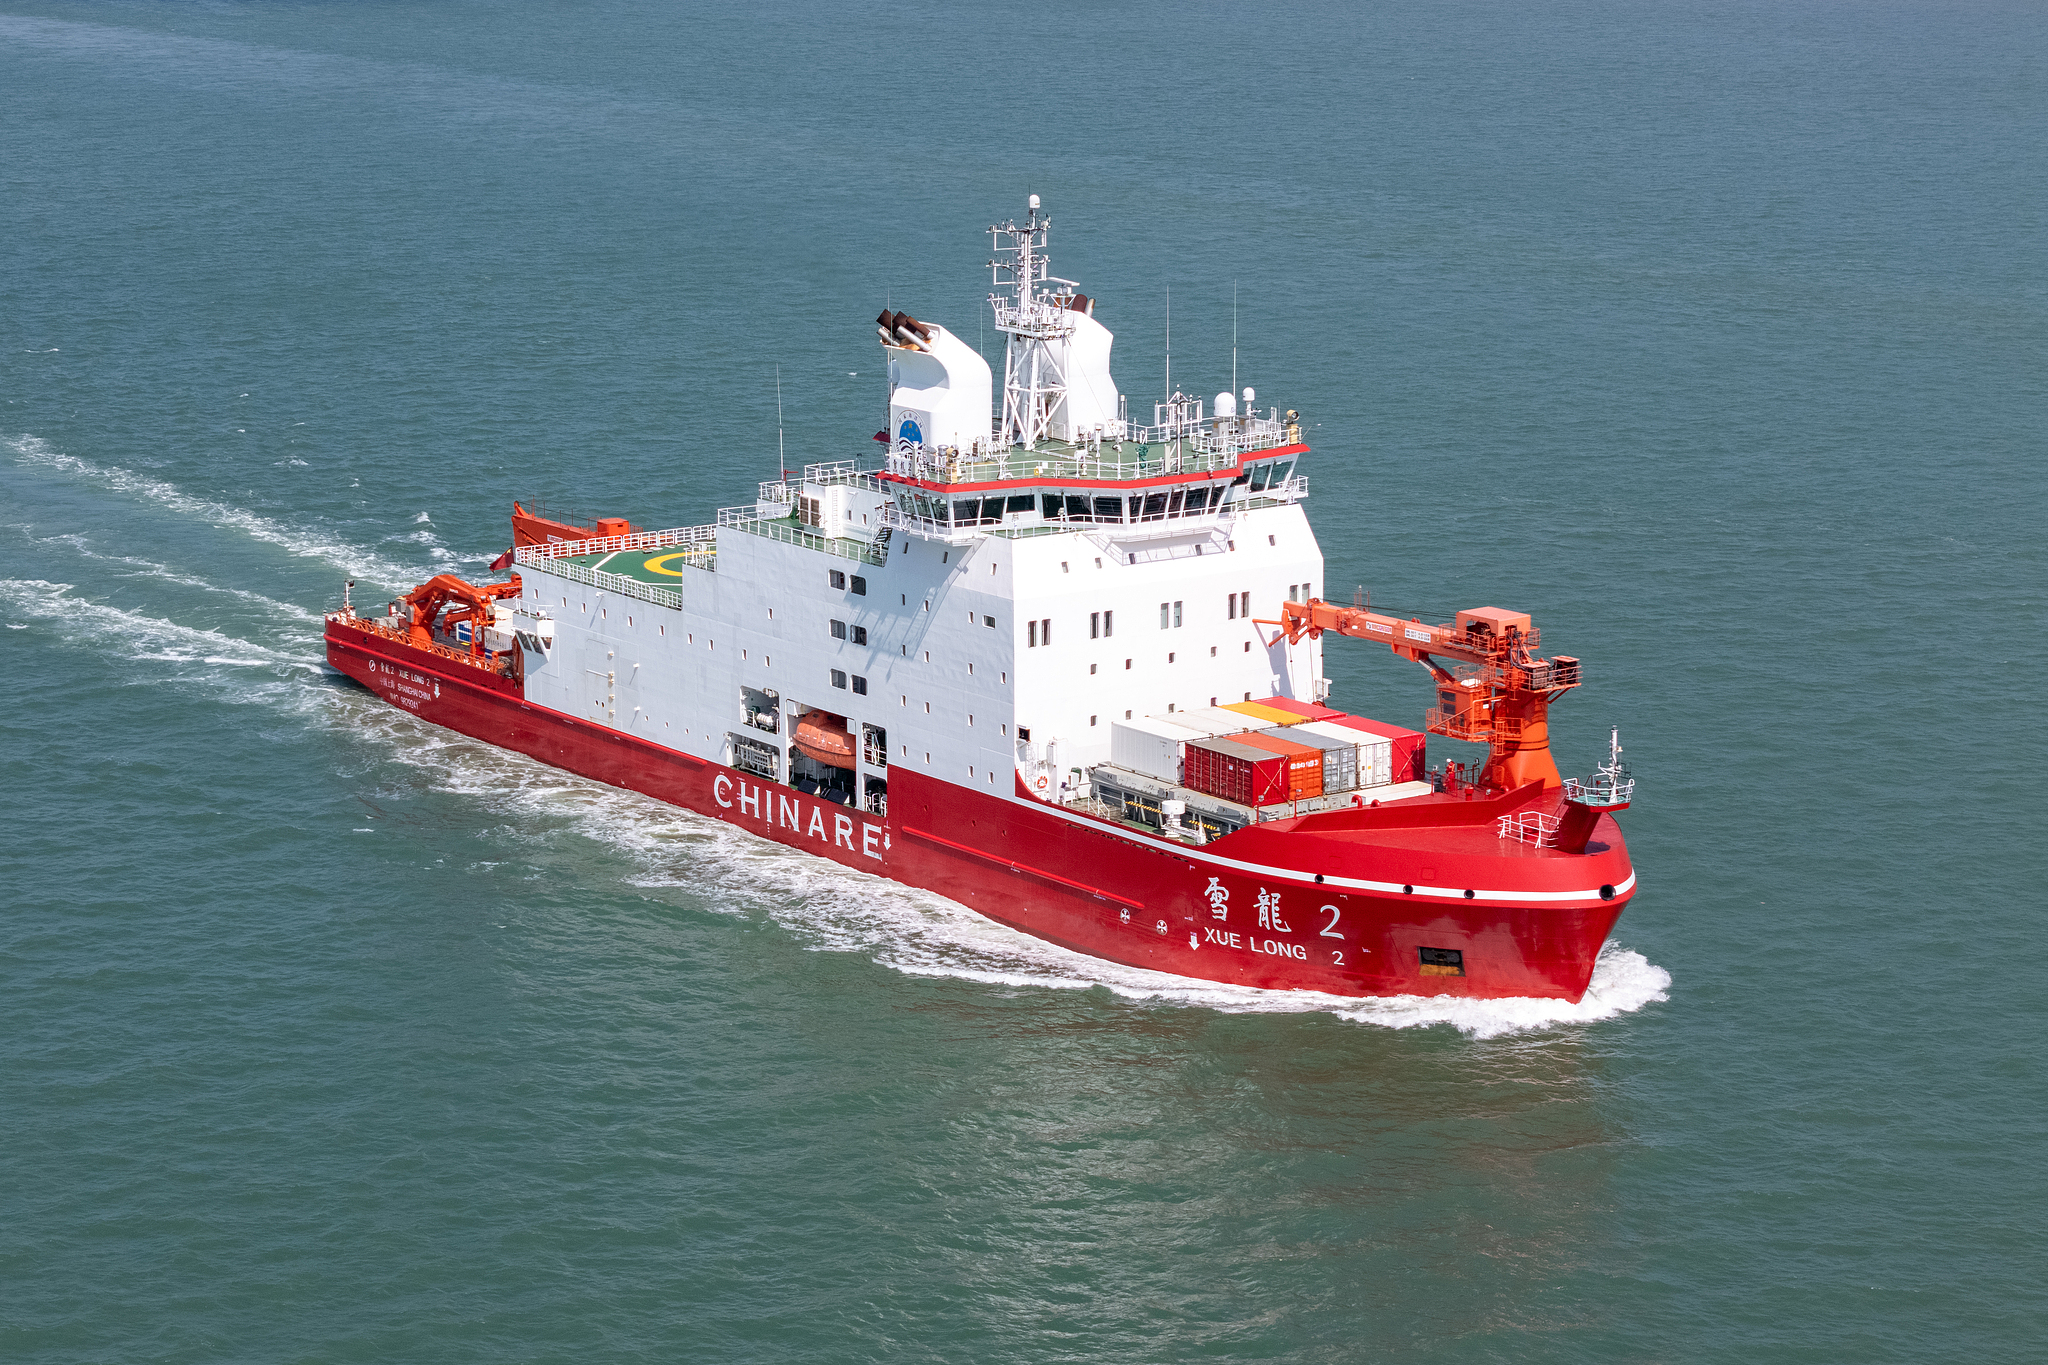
[142, 638]
[305, 543]
[151, 569]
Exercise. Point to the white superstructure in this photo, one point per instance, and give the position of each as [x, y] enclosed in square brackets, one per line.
[982, 603]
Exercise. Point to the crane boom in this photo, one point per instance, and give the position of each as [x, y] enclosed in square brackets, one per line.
[1497, 692]
[425, 604]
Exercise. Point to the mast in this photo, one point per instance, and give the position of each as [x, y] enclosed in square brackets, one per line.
[1031, 320]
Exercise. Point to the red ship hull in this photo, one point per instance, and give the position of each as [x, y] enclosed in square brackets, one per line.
[1277, 906]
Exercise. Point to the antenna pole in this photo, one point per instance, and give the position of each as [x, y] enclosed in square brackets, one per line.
[1169, 343]
[1233, 338]
[781, 463]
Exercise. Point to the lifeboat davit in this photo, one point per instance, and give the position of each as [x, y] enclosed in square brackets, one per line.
[822, 738]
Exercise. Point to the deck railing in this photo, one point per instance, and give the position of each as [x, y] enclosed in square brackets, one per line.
[639, 540]
[495, 664]
[619, 583]
[748, 519]
[1530, 827]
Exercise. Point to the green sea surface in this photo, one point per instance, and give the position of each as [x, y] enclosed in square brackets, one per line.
[1712, 334]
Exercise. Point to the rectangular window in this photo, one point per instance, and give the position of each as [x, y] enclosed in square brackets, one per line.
[1108, 622]
[838, 678]
[860, 586]
[989, 621]
[1045, 631]
[860, 635]
[1165, 614]
[1032, 632]
[1176, 616]
[1021, 502]
[1095, 625]
[837, 578]
[860, 685]
[839, 630]
[1244, 604]
[1231, 614]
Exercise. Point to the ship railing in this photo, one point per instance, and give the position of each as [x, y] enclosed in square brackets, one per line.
[785, 491]
[1216, 521]
[1476, 730]
[1530, 827]
[631, 587]
[1020, 464]
[1600, 791]
[895, 518]
[1034, 319]
[496, 664]
[597, 545]
[749, 519]
[1217, 435]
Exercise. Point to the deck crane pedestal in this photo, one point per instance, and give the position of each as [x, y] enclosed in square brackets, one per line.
[1495, 690]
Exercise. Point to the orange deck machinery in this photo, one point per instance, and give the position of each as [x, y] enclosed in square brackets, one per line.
[472, 604]
[1496, 692]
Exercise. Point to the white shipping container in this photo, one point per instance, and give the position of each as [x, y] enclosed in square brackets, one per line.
[1375, 756]
[1149, 745]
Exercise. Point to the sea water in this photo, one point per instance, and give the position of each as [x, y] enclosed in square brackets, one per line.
[1712, 335]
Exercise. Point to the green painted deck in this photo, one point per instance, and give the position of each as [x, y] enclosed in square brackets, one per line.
[662, 568]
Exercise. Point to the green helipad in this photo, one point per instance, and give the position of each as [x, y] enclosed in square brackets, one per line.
[659, 567]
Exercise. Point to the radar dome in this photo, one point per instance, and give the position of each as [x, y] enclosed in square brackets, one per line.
[1226, 406]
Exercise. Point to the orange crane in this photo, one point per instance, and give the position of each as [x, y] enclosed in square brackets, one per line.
[427, 600]
[1497, 692]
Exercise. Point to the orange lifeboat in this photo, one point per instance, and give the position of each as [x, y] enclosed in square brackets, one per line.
[822, 738]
